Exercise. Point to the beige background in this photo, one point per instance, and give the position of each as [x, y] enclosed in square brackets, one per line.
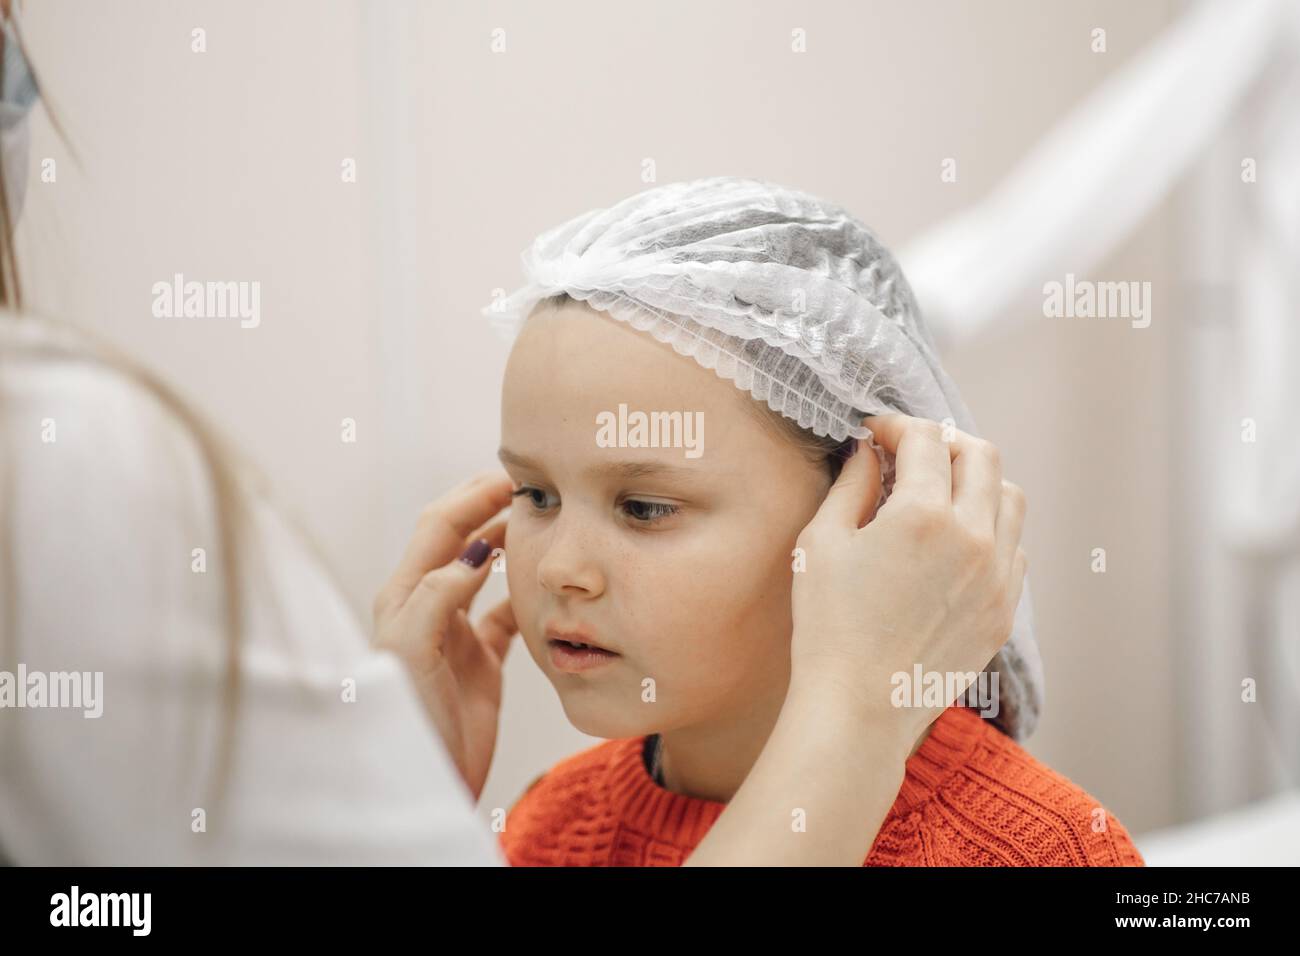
[226, 165]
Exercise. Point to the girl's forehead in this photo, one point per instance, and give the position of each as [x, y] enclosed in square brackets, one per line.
[575, 357]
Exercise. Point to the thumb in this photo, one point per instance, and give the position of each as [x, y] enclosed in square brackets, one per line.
[855, 495]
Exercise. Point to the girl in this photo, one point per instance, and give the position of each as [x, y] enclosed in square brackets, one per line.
[654, 583]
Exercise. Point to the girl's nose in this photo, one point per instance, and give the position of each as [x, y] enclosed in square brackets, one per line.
[570, 564]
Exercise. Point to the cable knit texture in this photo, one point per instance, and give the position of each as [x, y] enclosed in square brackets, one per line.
[971, 796]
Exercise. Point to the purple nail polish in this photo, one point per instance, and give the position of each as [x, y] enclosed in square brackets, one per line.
[477, 553]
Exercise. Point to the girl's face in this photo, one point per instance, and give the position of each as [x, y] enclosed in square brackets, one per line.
[678, 559]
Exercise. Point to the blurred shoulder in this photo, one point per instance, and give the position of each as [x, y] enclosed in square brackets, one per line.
[107, 467]
[76, 417]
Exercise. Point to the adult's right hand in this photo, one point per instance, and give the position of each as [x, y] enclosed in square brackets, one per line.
[933, 576]
[422, 615]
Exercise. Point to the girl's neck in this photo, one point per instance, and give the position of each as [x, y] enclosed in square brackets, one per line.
[711, 762]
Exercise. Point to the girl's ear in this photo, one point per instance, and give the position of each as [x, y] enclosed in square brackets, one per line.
[855, 495]
[839, 455]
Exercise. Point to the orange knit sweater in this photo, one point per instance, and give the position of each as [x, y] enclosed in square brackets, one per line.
[971, 796]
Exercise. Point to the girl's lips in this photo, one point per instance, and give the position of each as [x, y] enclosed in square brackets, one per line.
[566, 657]
[574, 636]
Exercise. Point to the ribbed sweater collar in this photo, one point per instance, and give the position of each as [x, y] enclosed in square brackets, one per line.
[681, 820]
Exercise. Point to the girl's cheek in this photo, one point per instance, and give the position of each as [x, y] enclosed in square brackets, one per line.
[518, 567]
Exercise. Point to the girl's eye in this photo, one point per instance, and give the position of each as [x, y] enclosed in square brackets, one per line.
[532, 494]
[641, 512]
[648, 512]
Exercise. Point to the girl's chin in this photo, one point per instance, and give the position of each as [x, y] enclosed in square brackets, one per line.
[597, 717]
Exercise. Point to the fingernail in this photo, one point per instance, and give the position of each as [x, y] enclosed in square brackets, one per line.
[851, 450]
[477, 553]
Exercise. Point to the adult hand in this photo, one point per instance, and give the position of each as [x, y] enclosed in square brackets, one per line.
[422, 615]
[933, 576]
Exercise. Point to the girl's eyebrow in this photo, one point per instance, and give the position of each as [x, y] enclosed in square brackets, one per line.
[614, 469]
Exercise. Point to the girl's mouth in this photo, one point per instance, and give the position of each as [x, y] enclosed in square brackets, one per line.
[568, 656]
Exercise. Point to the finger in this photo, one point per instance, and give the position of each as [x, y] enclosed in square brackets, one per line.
[1015, 590]
[442, 592]
[1019, 574]
[853, 498]
[976, 482]
[443, 528]
[497, 629]
[1010, 524]
[922, 459]
[494, 532]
